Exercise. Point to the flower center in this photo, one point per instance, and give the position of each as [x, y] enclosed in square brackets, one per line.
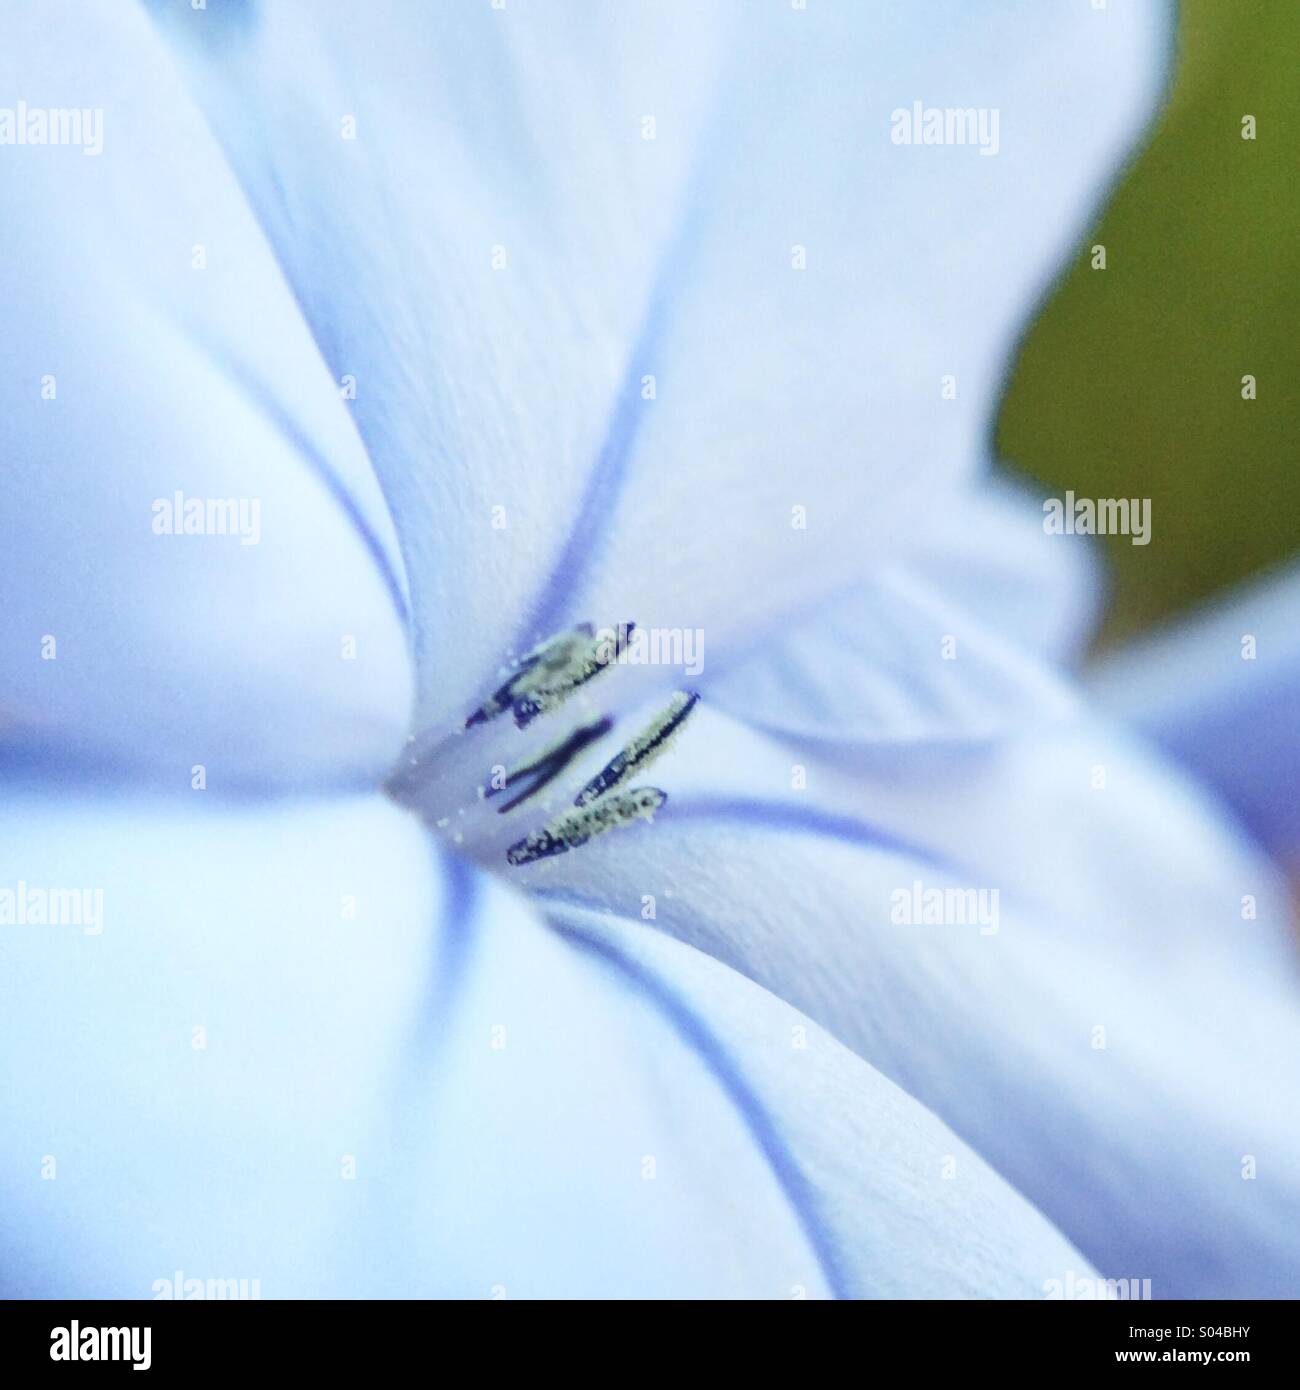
[464, 788]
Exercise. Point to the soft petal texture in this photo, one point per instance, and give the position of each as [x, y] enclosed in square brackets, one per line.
[1220, 692]
[1122, 909]
[500, 1092]
[908, 1209]
[174, 650]
[519, 133]
[945, 645]
[988, 547]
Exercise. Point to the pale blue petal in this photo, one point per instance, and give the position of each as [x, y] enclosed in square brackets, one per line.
[949, 645]
[1220, 692]
[1117, 1035]
[281, 997]
[623, 420]
[909, 1211]
[129, 375]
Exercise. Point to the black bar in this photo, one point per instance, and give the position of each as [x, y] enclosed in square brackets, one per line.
[342, 1338]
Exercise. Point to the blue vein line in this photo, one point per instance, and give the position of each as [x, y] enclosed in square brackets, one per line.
[608, 475]
[243, 376]
[700, 1037]
[784, 815]
[243, 14]
[460, 909]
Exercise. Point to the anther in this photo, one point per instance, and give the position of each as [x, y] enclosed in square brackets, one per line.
[652, 742]
[551, 672]
[575, 828]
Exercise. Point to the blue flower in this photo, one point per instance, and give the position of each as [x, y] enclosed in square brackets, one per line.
[506, 632]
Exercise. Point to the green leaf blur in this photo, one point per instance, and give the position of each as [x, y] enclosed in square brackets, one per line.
[1130, 382]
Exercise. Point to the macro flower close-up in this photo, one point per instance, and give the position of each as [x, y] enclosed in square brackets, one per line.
[544, 752]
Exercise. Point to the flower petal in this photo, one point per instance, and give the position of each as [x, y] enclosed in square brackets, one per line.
[305, 1049]
[693, 344]
[1218, 692]
[944, 646]
[153, 350]
[1123, 1056]
[910, 1212]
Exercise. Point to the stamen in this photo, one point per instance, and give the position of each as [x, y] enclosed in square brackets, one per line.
[652, 742]
[551, 672]
[584, 662]
[575, 828]
[554, 651]
[537, 684]
[548, 764]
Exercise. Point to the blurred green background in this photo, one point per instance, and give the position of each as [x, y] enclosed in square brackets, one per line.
[1129, 383]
